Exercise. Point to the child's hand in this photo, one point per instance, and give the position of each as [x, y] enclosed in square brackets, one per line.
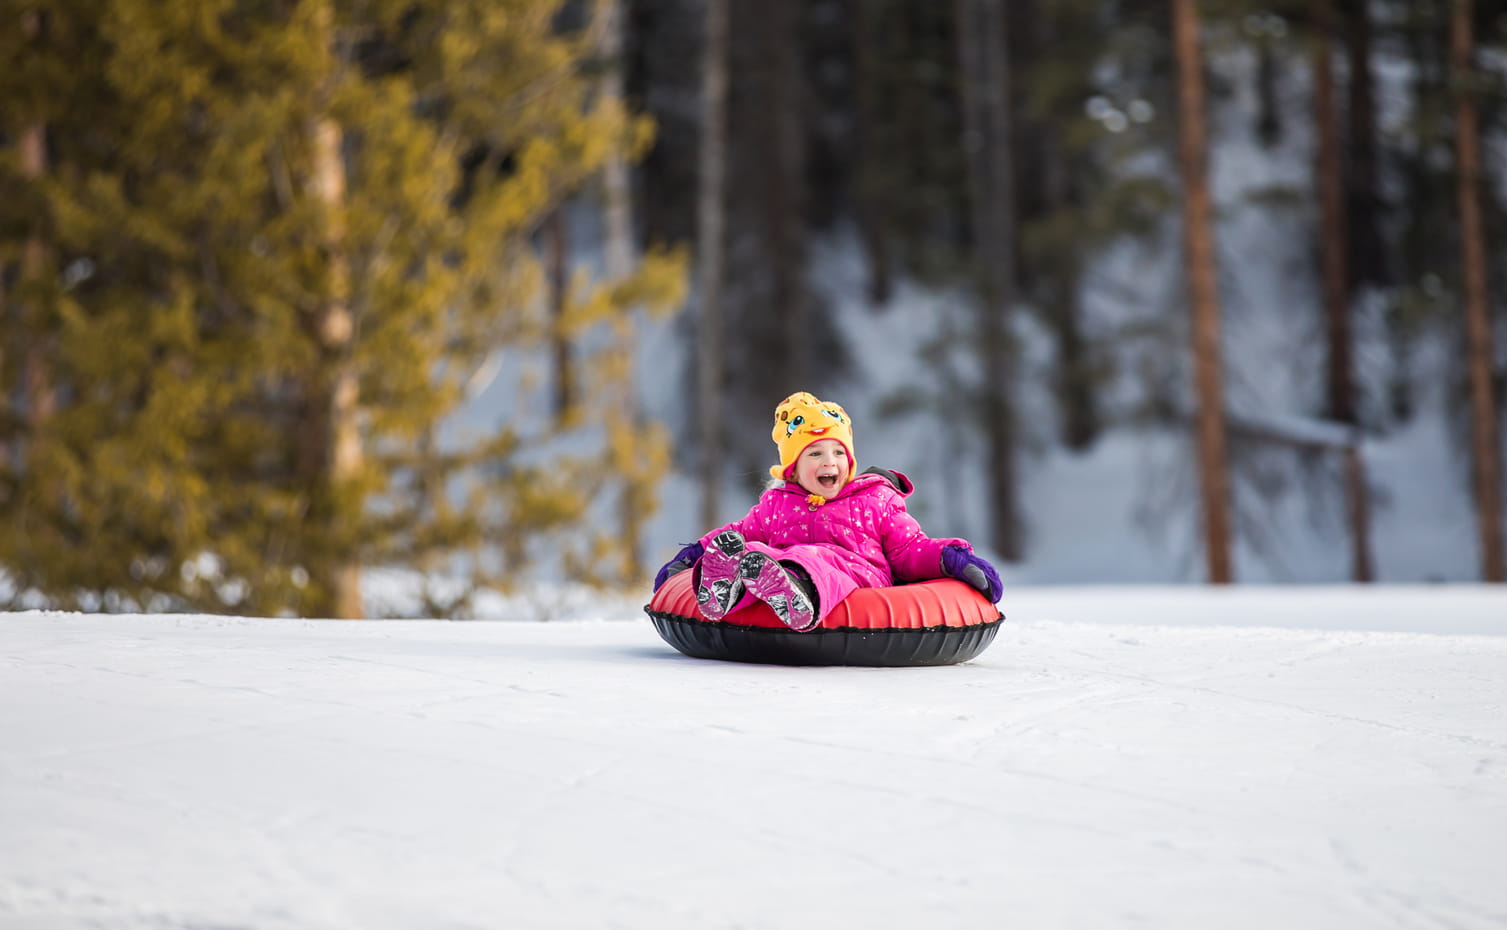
[683, 560]
[963, 565]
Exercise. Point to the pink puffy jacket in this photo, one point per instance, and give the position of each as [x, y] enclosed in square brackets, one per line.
[864, 533]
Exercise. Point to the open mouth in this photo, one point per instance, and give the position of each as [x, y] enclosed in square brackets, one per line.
[827, 481]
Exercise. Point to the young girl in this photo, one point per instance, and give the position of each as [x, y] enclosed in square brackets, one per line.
[821, 532]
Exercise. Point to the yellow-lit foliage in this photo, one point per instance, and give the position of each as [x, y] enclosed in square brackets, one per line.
[190, 265]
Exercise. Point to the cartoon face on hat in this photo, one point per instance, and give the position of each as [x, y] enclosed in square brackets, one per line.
[800, 420]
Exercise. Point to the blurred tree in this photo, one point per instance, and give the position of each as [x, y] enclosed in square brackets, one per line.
[710, 250]
[1486, 444]
[872, 139]
[290, 236]
[1203, 294]
[330, 455]
[782, 193]
[555, 246]
[1368, 262]
[640, 452]
[885, 159]
[1095, 85]
[983, 53]
[1334, 248]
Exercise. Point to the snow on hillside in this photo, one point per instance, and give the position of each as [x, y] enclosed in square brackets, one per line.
[1113, 760]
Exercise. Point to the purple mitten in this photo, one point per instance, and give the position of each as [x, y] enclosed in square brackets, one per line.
[963, 565]
[683, 560]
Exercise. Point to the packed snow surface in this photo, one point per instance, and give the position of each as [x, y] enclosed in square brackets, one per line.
[1118, 758]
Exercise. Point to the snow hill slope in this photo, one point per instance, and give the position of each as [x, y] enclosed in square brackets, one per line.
[202, 772]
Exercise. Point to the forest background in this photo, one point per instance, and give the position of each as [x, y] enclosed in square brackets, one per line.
[262, 262]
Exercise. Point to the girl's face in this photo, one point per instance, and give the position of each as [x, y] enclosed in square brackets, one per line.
[822, 468]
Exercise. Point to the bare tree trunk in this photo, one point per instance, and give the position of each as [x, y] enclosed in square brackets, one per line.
[557, 278]
[617, 222]
[1368, 254]
[709, 254]
[784, 195]
[1076, 398]
[1358, 512]
[332, 440]
[871, 201]
[37, 387]
[1485, 436]
[41, 400]
[1333, 245]
[1268, 106]
[983, 53]
[617, 200]
[339, 394]
[1334, 253]
[1203, 294]
[1077, 404]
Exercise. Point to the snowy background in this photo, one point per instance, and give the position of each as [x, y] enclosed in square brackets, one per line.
[1125, 510]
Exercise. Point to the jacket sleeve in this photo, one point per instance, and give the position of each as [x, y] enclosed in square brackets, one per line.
[913, 556]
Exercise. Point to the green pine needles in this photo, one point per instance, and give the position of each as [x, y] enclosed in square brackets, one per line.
[253, 255]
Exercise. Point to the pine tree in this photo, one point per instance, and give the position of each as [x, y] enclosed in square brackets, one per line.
[305, 227]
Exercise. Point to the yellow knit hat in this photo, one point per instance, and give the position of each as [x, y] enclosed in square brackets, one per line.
[800, 420]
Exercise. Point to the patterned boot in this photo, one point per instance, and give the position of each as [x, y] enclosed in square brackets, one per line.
[720, 586]
[769, 581]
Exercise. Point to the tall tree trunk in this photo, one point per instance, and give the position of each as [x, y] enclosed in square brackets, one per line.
[1426, 50]
[617, 223]
[37, 387]
[617, 198]
[784, 197]
[1358, 514]
[710, 210]
[1329, 176]
[1268, 105]
[913, 121]
[1076, 400]
[557, 283]
[1334, 253]
[871, 200]
[332, 440]
[1368, 253]
[983, 55]
[337, 394]
[1203, 294]
[1486, 457]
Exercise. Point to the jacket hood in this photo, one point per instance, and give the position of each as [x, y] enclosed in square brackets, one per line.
[896, 478]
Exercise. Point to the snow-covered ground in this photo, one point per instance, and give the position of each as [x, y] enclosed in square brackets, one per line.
[1118, 758]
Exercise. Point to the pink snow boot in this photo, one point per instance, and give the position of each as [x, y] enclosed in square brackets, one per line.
[772, 583]
[720, 587]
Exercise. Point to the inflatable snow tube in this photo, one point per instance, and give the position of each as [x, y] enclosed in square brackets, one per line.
[940, 622]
